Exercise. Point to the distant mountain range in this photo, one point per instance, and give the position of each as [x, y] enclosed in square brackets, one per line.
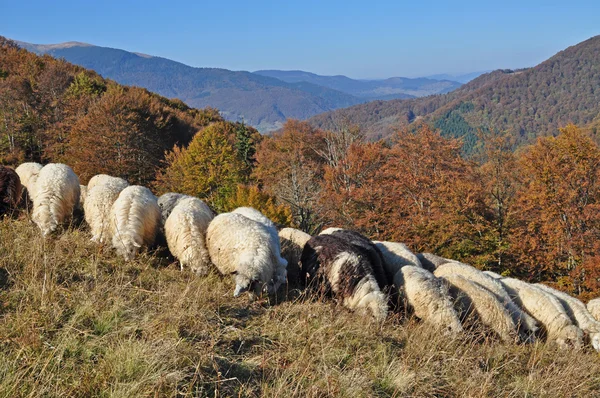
[465, 78]
[264, 99]
[528, 103]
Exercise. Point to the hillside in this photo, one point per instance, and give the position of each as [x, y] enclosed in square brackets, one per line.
[528, 103]
[261, 101]
[395, 87]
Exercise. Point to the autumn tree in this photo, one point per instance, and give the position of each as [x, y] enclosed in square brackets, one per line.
[252, 196]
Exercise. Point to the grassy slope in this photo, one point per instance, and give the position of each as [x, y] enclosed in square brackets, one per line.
[77, 321]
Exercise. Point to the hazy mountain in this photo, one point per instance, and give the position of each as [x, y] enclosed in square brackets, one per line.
[528, 103]
[394, 87]
[464, 78]
[261, 101]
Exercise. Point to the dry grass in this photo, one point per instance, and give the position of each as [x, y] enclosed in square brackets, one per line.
[77, 321]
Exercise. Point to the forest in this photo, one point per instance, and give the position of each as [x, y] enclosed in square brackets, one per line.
[533, 213]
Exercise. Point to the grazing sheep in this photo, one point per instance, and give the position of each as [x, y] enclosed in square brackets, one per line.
[428, 297]
[431, 261]
[10, 190]
[100, 179]
[97, 209]
[547, 310]
[578, 313]
[167, 203]
[335, 266]
[526, 324]
[292, 243]
[246, 249]
[257, 216]
[28, 174]
[368, 248]
[395, 256]
[56, 196]
[472, 298]
[593, 307]
[185, 229]
[134, 220]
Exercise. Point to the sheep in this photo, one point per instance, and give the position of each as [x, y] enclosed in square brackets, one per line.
[334, 265]
[97, 209]
[55, 198]
[526, 324]
[292, 243]
[428, 298]
[395, 256]
[82, 196]
[100, 179]
[369, 249]
[578, 313]
[246, 249]
[593, 307]
[167, 203]
[28, 174]
[185, 229]
[431, 261]
[257, 216]
[472, 298]
[493, 274]
[547, 310]
[135, 219]
[10, 190]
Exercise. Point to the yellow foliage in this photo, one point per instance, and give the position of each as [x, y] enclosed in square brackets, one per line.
[252, 196]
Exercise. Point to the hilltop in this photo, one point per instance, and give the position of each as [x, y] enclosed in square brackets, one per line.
[528, 103]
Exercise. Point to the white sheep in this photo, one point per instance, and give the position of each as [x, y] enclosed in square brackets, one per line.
[578, 313]
[493, 274]
[246, 249]
[253, 214]
[331, 264]
[473, 298]
[395, 256]
[431, 261]
[292, 243]
[593, 307]
[185, 230]
[167, 203]
[56, 196]
[28, 174]
[547, 310]
[428, 297]
[135, 220]
[100, 179]
[526, 324]
[97, 208]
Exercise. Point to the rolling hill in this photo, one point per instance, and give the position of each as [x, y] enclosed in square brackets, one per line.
[392, 88]
[528, 103]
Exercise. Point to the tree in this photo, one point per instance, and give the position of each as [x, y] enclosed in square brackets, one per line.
[252, 196]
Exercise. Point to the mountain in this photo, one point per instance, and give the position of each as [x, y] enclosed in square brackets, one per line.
[465, 78]
[261, 101]
[527, 103]
[394, 87]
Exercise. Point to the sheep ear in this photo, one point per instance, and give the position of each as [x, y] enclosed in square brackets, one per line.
[135, 244]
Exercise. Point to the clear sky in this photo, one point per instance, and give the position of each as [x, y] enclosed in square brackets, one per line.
[361, 39]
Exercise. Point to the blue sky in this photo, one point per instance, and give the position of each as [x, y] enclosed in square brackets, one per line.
[361, 39]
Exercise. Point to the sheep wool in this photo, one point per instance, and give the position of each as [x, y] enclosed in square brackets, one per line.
[246, 249]
[428, 298]
[471, 298]
[56, 196]
[431, 261]
[578, 313]
[82, 196]
[10, 190]
[97, 209]
[526, 324]
[167, 203]
[369, 249]
[292, 243]
[185, 230]
[334, 266]
[547, 310]
[28, 174]
[493, 274]
[395, 256]
[100, 179]
[135, 220]
[593, 307]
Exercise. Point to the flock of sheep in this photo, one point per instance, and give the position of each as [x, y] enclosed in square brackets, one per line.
[360, 274]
